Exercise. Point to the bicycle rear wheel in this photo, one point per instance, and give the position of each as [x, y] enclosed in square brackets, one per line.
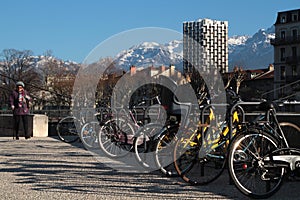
[67, 129]
[144, 145]
[200, 161]
[113, 138]
[292, 133]
[164, 149]
[251, 173]
[89, 134]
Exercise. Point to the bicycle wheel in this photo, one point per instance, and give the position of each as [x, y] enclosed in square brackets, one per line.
[291, 132]
[164, 149]
[114, 138]
[89, 134]
[144, 145]
[251, 173]
[67, 129]
[201, 160]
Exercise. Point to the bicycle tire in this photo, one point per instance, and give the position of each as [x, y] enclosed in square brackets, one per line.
[113, 138]
[291, 132]
[67, 129]
[89, 134]
[164, 149]
[198, 162]
[247, 168]
[144, 145]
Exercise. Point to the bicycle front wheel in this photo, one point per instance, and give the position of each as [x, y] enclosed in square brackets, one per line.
[89, 134]
[67, 129]
[251, 173]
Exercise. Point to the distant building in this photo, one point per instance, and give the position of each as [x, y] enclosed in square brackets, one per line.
[287, 54]
[141, 82]
[205, 44]
[256, 84]
[261, 82]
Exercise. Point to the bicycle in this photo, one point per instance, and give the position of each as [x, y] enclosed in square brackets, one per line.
[166, 140]
[147, 137]
[89, 131]
[200, 154]
[69, 126]
[260, 156]
[168, 137]
[116, 136]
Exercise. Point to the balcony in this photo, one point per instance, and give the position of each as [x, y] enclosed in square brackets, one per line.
[286, 40]
[291, 79]
[292, 60]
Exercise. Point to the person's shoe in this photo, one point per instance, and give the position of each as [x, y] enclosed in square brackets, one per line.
[27, 137]
[17, 138]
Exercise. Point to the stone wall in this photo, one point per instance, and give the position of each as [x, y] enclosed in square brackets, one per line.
[37, 125]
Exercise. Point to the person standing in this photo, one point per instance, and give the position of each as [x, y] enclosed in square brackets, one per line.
[19, 102]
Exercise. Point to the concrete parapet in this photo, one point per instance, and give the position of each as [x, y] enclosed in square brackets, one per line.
[37, 125]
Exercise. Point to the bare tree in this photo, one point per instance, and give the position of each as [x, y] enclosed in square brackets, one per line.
[239, 77]
[228, 78]
[198, 84]
[17, 65]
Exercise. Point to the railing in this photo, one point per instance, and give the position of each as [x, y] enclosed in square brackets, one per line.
[286, 87]
[286, 40]
[53, 115]
[290, 79]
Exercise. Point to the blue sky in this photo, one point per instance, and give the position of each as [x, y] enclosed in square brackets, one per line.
[71, 29]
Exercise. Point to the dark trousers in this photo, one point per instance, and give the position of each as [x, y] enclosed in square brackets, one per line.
[17, 120]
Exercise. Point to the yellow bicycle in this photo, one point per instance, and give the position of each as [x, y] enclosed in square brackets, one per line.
[200, 154]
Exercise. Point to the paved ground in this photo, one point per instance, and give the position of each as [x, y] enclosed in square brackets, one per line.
[46, 168]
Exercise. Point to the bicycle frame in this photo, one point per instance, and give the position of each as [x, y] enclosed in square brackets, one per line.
[282, 155]
[225, 128]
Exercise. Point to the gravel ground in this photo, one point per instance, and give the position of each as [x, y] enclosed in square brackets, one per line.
[46, 168]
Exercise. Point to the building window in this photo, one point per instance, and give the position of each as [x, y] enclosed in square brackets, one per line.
[294, 52]
[282, 35]
[281, 91]
[282, 73]
[283, 19]
[282, 54]
[294, 70]
[294, 33]
[295, 17]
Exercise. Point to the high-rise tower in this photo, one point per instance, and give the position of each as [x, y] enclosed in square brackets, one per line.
[205, 44]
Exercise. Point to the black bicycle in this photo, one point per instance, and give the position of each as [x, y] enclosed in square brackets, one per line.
[261, 155]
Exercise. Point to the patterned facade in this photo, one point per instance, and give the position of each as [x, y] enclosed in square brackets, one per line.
[205, 44]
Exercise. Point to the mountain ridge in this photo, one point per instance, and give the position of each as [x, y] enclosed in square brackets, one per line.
[248, 52]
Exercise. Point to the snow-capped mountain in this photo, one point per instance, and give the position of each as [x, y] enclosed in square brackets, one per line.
[251, 52]
[247, 52]
[40, 64]
[237, 42]
[151, 54]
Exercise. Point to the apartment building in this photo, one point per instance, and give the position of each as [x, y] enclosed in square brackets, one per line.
[205, 44]
[287, 55]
